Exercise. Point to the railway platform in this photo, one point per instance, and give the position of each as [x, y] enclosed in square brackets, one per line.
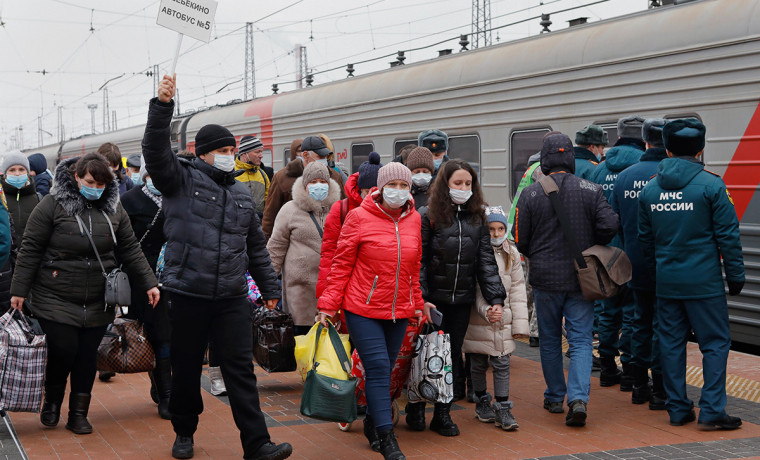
[126, 424]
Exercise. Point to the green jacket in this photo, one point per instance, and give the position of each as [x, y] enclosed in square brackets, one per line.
[533, 174]
[687, 223]
[56, 263]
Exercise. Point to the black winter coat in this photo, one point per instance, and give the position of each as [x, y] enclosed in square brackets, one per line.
[57, 264]
[539, 236]
[21, 202]
[142, 210]
[212, 230]
[455, 258]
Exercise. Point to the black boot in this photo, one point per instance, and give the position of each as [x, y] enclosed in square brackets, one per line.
[183, 447]
[628, 378]
[371, 433]
[415, 416]
[79, 405]
[272, 451]
[641, 389]
[163, 378]
[658, 398]
[51, 408]
[610, 374]
[389, 446]
[442, 423]
[153, 388]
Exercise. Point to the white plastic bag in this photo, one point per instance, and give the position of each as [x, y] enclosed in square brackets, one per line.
[431, 377]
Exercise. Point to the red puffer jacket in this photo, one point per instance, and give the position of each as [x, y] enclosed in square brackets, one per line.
[376, 269]
[333, 224]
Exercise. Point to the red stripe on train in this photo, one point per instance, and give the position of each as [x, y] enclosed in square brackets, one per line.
[262, 108]
[743, 172]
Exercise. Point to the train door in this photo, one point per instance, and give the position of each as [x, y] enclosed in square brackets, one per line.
[465, 147]
[359, 154]
[523, 143]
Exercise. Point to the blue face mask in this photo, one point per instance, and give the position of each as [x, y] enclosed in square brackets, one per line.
[322, 161]
[151, 187]
[17, 181]
[136, 179]
[91, 193]
[437, 163]
[318, 191]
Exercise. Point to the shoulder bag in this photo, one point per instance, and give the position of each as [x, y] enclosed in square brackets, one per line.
[601, 270]
[125, 349]
[327, 398]
[117, 290]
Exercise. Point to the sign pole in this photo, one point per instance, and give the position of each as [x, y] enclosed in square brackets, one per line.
[176, 55]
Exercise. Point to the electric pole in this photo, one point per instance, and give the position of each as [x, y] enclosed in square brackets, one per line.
[249, 88]
[92, 108]
[302, 67]
[481, 23]
[106, 112]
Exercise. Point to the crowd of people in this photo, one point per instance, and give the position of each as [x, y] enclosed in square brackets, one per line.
[413, 238]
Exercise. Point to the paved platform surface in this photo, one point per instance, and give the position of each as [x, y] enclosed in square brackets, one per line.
[127, 426]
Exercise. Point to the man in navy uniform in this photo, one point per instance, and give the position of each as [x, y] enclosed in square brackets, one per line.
[687, 223]
[645, 350]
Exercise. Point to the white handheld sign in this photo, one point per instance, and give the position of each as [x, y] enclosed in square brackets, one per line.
[194, 18]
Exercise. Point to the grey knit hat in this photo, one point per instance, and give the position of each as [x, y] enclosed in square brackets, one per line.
[393, 171]
[313, 171]
[630, 126]
[651, 131]
[15, 157]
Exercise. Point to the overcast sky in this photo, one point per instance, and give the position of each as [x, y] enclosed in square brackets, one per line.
[82, 44]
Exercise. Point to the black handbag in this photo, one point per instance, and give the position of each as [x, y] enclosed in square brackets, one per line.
[274, 342]
[326, 398]
[117, 291]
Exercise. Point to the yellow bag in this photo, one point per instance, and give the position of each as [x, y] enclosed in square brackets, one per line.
[329, 364]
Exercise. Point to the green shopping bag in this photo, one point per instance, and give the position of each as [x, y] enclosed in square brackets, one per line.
[327, 398]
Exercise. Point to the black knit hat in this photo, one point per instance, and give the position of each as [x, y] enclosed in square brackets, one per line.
[249, 144]
[212, 137]
[684, 137]
[368, 171]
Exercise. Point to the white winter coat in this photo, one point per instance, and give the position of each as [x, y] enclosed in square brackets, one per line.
[295, 246]
[495, 339]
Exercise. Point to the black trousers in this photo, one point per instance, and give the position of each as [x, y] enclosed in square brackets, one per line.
[456, 319]
[71, 350]
[228, 325]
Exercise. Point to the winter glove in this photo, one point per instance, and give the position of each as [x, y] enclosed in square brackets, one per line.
[735, 287]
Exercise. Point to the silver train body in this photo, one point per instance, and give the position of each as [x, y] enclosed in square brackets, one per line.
[700, 59]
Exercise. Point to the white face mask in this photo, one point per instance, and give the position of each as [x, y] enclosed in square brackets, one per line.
[395, 197]
[459, 196]
[498, 241]
[421, 179]
[224, 163]
[322, 161]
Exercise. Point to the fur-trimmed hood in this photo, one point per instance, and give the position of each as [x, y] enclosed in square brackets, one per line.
[66, 191]
[309, 204]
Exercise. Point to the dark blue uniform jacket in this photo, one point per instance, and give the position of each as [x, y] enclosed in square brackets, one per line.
[585, 162]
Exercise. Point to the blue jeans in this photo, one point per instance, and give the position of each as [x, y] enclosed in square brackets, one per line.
[579, 320]
[378, 342]
[709, 320]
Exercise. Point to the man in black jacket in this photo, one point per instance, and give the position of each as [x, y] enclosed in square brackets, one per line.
[213, 237]
[556, 292]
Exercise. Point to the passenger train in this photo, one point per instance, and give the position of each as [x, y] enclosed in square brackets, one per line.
[699, 59]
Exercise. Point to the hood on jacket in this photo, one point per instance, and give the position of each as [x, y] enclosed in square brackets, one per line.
[37, 163]
[309, 204]
[557, 154]
[294, 168]
[351, 187]
[66, 191]
[622, 156]
[676, 173]
[247, 167]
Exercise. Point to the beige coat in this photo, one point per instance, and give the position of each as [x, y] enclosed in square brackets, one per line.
[295, 246]
[495, 339]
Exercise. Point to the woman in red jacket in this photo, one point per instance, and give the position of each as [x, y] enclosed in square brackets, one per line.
[375, 278]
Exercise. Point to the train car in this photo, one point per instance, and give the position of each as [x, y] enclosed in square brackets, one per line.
[129, 141]
[51, 152]
[699, 59]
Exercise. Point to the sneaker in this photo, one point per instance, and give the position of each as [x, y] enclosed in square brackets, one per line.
[272, 451]
[690, 417]
[576, 416]
[183, 447]
[727, 422]
[504, 418]
[483, 410]
[533, 342]
[554, 407]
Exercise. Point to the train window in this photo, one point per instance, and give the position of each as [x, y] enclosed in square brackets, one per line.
[400, 144]
[267, 160]
[683, 116]
[467, 148]
[609, 126]
[174, 130]
[359, 154]
[523, 144]
[285, 157]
